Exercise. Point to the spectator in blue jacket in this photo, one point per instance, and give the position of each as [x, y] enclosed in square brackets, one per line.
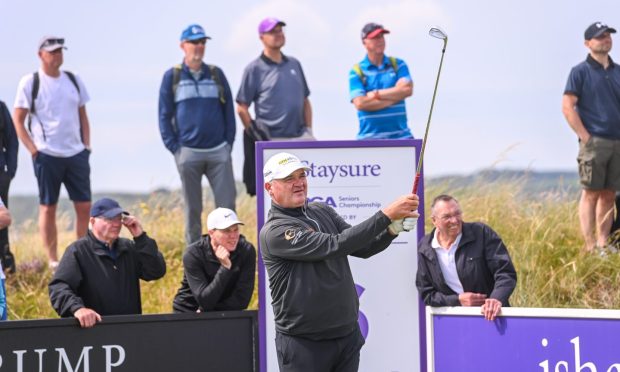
[197, 125]
[9, 144]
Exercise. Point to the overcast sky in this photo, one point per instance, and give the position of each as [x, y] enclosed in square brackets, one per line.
[498, 102]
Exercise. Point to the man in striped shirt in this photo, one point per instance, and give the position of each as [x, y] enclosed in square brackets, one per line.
[378, 86]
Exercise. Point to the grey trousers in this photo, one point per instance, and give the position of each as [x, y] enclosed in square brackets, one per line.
[217, 166]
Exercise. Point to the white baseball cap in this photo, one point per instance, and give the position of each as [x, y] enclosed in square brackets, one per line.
[281, 165]
[222, 218]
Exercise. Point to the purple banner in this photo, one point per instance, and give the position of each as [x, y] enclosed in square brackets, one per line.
[470, 343]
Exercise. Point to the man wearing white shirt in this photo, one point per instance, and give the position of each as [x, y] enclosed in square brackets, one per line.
[463, 264]
[50, 120]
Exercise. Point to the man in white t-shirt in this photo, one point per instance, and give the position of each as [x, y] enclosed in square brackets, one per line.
[50, 120]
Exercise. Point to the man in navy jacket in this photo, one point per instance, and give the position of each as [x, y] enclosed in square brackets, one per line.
[197, 125]
[463, 264]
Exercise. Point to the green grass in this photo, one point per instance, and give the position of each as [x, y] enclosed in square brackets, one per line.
[541, 232]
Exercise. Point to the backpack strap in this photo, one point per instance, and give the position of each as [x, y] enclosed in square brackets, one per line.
[394, 63]
[216, 78]
[33, 96]
[358, 71]
[176, 78]
[71, 77]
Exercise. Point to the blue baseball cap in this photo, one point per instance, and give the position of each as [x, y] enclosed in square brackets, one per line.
[194, 32]
[106, 207]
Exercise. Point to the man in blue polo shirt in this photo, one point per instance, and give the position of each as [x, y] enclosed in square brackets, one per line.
[197, 125]
[591, 105]
[378, 86]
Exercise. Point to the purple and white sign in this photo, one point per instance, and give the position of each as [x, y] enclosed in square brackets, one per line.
[357, 178]
[543, 340]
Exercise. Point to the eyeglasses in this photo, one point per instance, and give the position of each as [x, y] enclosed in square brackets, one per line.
[50, 42]
[198, 41]
[448, 217]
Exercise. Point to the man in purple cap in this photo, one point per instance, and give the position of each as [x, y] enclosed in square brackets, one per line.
[57, 134]
[591, 106]
[378, 86]
[100, 273]
[197, 125]
[276, 85]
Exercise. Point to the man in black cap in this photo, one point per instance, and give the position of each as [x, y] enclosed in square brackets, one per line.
[378, 86]
[99, 273]
[591, 106]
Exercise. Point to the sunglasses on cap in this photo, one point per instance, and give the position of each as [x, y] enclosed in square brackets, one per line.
[50, 42]
[202, 41]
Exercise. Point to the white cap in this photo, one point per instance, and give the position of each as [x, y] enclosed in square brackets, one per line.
[281, 165]
[222, 218]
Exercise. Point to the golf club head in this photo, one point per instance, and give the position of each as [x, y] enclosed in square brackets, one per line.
[438, 33]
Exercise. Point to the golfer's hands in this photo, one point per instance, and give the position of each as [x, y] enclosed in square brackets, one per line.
[396, 227]
[223, 256]
[410, 223]
[87, 317]
[472, 299]
[405, 206]
[491, 308]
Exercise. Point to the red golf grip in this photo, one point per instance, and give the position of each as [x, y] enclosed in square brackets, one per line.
[415, 183]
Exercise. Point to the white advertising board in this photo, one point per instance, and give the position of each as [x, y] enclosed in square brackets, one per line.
[357, 178]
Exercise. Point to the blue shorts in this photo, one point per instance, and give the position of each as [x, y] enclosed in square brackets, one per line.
[73, 172]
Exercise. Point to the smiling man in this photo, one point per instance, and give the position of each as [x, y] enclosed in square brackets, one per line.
[197, 125]
[305, 247]
[100, 273]
[463, 264]
[219, 268]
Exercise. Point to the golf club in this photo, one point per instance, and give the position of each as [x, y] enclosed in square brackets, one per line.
[435, 32]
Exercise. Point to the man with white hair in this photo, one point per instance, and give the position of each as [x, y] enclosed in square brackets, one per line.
[305, 247]
[219, 268]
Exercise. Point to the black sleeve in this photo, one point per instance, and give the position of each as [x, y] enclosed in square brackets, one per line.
[241, 296]
[65, 283]
[152, 265]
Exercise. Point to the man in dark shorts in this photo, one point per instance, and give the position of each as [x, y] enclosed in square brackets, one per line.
[50, 120]
[591, 105]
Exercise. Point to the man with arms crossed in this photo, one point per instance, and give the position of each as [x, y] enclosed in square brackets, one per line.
[463, 264]
[57, 134]
[378, 86]
[305, 247]
[591, 105]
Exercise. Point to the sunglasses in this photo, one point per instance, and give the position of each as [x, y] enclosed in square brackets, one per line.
[50, 42]
[198, 41]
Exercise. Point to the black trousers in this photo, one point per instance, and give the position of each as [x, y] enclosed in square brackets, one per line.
[297, 354]
[5, 183]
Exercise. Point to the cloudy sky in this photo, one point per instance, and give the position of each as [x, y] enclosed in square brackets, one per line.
[498, 102]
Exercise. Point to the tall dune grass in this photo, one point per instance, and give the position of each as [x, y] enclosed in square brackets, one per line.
[541, 232]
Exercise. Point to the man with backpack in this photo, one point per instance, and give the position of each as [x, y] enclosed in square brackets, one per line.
[378, 86]
[197, 125]
[50, 120]
[9, 145]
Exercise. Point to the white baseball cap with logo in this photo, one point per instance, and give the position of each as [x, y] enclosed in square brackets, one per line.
[222, 218]
[281, 165]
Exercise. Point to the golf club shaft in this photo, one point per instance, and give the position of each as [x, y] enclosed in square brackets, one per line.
[428, 123]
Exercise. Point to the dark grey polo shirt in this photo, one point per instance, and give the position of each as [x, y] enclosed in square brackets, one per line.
[277, 91]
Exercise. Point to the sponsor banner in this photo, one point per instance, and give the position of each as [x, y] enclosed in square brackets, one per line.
[358, 178]
[544, 340]
[215, 341]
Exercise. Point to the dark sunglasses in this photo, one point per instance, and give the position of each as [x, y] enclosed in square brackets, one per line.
[198, 41]
[50, 42]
